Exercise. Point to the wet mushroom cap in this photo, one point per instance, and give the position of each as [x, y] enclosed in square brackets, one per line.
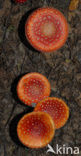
[46, 29]
[32, 88]
[36, 129]
[56, 108]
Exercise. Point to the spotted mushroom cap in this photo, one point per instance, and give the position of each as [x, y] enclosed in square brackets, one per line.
[46, 29]
[32, 88]
[36, 129]
[57, 108]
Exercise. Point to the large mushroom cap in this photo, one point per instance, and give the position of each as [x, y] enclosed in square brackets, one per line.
[46, 29]
[32, 88]
[57, 109]
[36, 129]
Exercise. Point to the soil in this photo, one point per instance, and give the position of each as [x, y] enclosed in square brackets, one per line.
[62, 68]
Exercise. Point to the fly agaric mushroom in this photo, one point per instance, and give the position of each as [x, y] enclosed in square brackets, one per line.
[46, 29]
[36, 129]
[32, 88]
[56, 108]
[20, 1]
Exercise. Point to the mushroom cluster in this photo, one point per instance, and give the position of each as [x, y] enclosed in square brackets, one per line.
[37, 129]
[46, 29]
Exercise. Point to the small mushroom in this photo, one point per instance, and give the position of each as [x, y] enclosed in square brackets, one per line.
[20, 1]
[32, 88]
[36, 129]
[46, 29]
[56, 108]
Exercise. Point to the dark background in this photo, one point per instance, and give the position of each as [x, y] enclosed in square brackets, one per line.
[62, 68]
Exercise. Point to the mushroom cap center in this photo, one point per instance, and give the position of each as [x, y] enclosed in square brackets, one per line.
[48, 28]
[34, 88]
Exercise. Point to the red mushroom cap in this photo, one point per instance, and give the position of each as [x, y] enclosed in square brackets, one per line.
[46, 29]
[36, 129]
[20, 1]
[32, 88]
[57, 108]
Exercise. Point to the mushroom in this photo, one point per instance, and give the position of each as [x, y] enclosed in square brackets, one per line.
[36, 129]
[20, 1]
[56, 108]
[46, 29]
[32, 88]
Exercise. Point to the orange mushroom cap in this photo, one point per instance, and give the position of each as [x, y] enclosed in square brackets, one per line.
[36, 129]
[57, 109]
[32, 88]
[46, 29]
